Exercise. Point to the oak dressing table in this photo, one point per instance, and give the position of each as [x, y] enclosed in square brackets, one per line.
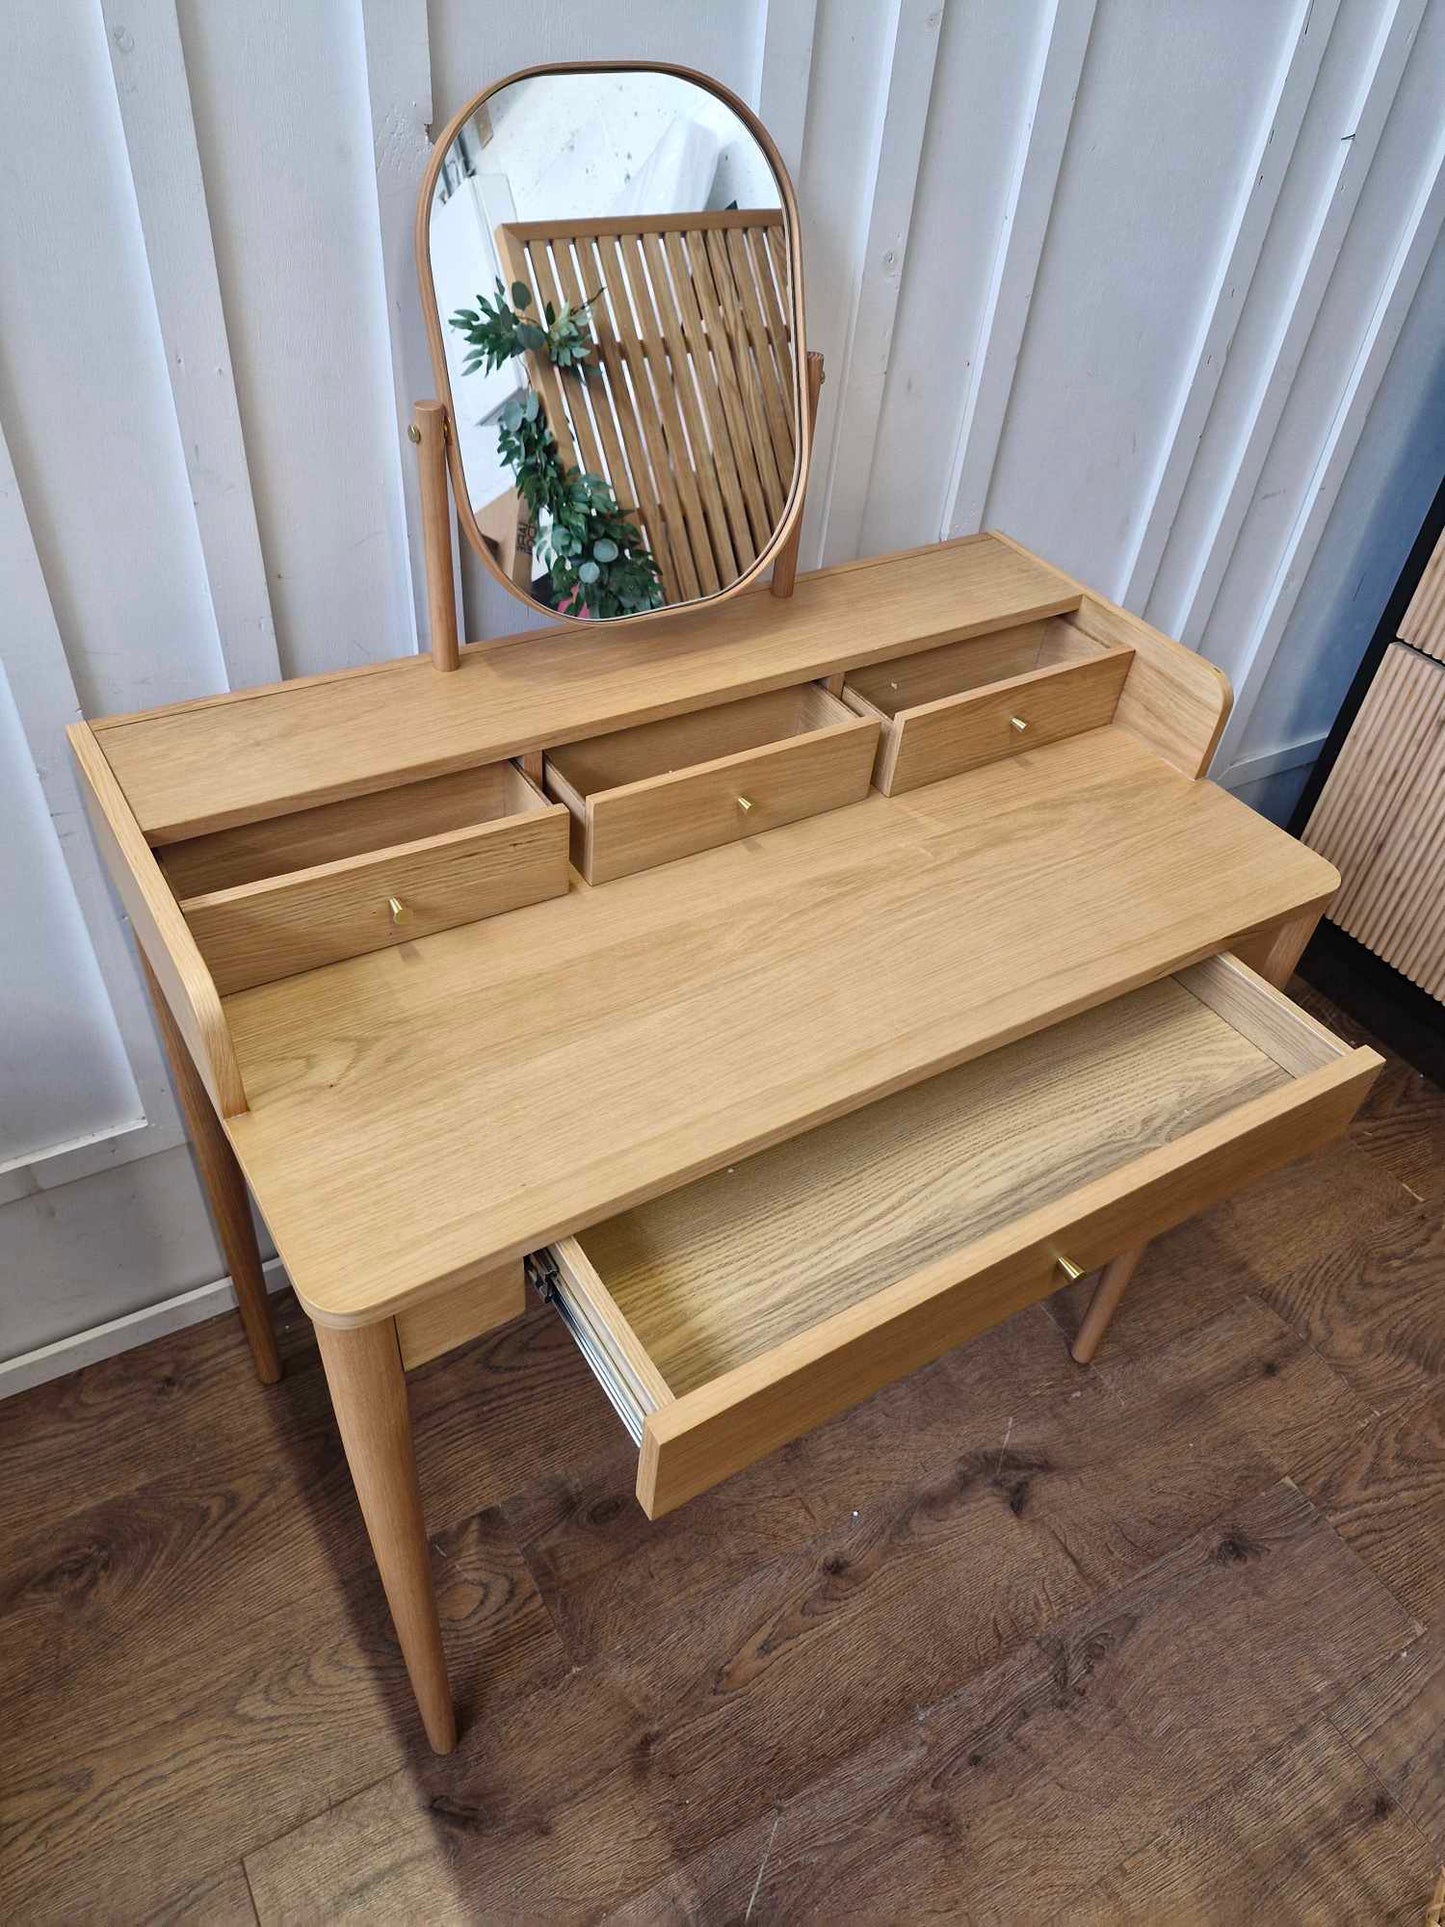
[792, 986]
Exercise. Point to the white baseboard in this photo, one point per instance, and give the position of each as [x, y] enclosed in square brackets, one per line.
[121, 1334]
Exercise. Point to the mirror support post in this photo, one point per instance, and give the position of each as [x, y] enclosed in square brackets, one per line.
[785, 569]
[429, 431]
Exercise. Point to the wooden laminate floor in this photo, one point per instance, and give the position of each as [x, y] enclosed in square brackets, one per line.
[1160, 1641]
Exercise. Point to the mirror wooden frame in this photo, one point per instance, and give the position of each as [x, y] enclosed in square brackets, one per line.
[805, 379]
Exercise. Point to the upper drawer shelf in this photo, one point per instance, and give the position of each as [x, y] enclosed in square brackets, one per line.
[645, 796]
[269, 900]
[741, 1311]
[952, 709]
[197, 767]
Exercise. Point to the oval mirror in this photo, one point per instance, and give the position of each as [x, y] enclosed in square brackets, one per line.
[611, 282]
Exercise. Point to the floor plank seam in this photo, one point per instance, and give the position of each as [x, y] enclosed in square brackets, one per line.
[1432, 1854]
[250, 1890]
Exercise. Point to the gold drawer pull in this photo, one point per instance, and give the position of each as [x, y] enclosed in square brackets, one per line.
[745, 803]
[1018, 723]
[1070, 1270]
[399, 912]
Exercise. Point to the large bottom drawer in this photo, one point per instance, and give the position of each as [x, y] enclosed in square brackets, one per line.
[743, 1310]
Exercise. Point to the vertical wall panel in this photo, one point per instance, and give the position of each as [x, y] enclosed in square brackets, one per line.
[74, 1258]
[84, 399]
[112, 1084]
[1391, 239]
[1163, 128]
[165, 169]
[398, 85]
[1386, 494]
[1275, 134]
[906, 83]
[779, 93]
[1090, 183]
[472, 46]
[1050, 91]
[280, 103]
[63, 1075]
[1347, 112]
[975, 126]
[846, 100]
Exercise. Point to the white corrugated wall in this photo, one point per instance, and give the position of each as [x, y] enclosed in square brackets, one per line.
[1154, 287]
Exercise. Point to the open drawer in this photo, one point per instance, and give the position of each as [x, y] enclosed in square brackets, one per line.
[271, 899]
[644, 796]
[737, 1313]
[964, 704]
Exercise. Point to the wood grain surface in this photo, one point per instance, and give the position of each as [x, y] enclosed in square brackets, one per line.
[202, 766]
[686, 1016]
[924, 742]
[723, 1270]
[222, 1185]
[1005, 1628]
[728, 799]
[279, 926]
[908, 681]
[733, 1419]
[158, 927]
[475, 1306]
[308, 837]
[1175, 700]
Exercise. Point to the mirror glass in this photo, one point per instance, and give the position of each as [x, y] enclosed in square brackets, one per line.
[611, 264]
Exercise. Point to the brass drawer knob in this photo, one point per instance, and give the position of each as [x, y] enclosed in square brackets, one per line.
[1018, 723]
[1070, 1270]
[399, 913]
[745, 803]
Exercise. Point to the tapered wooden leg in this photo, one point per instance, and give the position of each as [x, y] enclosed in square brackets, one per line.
[1113, 1281]
[1274, 955]
[368, 1390]
[225, 1190]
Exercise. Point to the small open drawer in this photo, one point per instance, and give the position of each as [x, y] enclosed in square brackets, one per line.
[743, 1310]
[644, 796]
[964, 704]
[270, 899]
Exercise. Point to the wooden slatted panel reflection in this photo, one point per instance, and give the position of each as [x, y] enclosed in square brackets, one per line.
[1423, 625]
[688, 410]
[1380, 820]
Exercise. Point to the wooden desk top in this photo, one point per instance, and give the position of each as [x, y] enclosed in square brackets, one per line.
[206, 765]
[457, 1101]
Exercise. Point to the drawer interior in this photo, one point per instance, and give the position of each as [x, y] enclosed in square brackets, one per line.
[957, 668]
[323, 885]
[804, 1252]
[681, 742]
[710, 1276]
[282, 844]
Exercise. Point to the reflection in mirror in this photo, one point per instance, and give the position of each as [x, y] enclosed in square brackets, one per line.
[610, 260]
